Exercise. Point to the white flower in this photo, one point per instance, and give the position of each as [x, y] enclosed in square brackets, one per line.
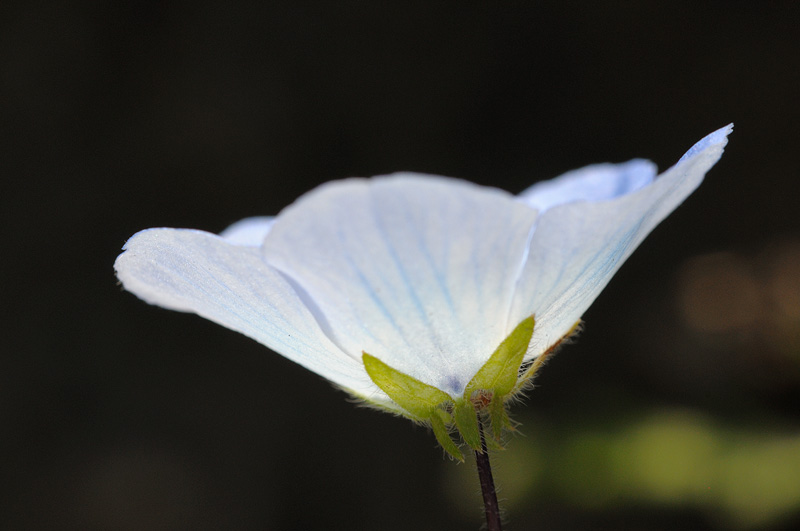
[426, 274]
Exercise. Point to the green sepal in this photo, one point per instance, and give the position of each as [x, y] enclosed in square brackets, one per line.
[534, 367]
[495, 381]
[499, 416]
[499, 374]
[498, 379]
[438, 420]
[419, 399]
[467, 422]
[494, 444]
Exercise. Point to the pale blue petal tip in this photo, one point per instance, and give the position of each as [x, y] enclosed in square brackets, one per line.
[249, 231]
[718, 137]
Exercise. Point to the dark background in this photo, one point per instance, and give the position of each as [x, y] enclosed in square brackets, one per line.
[676, 409]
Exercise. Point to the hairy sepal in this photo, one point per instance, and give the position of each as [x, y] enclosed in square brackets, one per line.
[419, 401]
[525, 379]
[417, 398]
[499, 374]
[496, 381]
[485, 395]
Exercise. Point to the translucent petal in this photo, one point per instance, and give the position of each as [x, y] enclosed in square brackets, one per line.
[249, 231]
[229, 284]
[592, 183]
[577, 247]
[419, 271]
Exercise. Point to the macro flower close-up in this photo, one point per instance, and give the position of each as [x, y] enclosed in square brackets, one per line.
[427, 296]
[387, 266]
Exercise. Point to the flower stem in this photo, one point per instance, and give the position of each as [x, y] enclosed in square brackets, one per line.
[487, 484]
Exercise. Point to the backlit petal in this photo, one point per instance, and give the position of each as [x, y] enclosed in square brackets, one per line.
[592, 183]
[577, 247]
[419, 271]
[249, 231]
[229, 284]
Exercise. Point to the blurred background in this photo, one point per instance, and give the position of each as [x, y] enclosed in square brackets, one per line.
[677, 408]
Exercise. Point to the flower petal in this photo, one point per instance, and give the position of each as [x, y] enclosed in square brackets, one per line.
[418, 271]
[249, 231]
[592, 183]
[577, 247]
[194, 271]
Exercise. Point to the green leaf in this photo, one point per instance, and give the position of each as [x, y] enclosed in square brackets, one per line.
[417, 398]
[499, 374]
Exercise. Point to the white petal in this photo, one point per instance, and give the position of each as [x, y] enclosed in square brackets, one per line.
[249, 231]
[592, 183]
[577, 247]
[418, 271]
[198, 272]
